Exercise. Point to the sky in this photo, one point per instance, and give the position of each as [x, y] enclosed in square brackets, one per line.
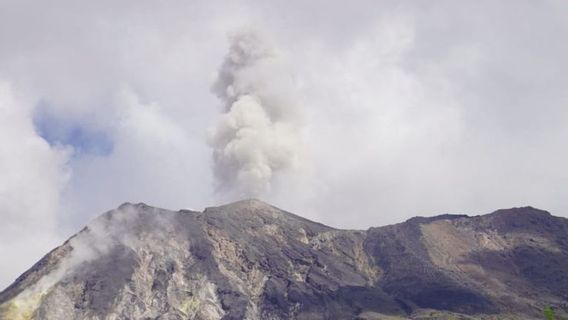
[354, 114]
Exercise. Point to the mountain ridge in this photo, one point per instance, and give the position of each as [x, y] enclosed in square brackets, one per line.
[249, 259]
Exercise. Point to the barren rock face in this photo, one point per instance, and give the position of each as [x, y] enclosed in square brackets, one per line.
[249, 260]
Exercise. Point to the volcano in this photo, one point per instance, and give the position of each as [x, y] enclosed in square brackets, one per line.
[251, 260]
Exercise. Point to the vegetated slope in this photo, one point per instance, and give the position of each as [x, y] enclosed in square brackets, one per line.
[249, 260]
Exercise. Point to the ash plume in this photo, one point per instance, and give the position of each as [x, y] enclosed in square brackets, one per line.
[258, 136]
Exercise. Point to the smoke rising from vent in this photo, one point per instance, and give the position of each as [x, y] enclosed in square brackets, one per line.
[257, 137]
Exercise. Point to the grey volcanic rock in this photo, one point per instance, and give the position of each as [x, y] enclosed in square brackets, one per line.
[249, 260]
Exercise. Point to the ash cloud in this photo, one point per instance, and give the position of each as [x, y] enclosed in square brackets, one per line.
[257, 137]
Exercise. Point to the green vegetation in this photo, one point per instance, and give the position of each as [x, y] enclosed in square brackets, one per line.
[549, 313]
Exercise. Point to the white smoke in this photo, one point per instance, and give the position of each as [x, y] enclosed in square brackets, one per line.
[112, 229]
[258, 136]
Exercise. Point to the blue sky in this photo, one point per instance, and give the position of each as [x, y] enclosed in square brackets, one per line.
[58, 130]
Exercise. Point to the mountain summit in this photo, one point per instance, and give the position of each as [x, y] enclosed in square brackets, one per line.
[250, 260]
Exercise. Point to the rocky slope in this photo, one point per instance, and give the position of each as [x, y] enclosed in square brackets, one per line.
[249, 260]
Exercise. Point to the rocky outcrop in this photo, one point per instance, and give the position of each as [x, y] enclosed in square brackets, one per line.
[249, 260]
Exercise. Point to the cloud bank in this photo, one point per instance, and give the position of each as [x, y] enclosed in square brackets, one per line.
[33, 175]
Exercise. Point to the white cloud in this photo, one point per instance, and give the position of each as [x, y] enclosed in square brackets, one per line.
[156, 160]
[32, 177]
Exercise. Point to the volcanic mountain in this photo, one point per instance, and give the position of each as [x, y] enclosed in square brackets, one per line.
[250, 260]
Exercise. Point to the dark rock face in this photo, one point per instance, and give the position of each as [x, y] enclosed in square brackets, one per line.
[249, 260]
